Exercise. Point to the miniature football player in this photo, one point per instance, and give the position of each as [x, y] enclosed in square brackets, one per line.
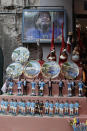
[33, 107]
[80, 85]
[39, 81]
[33, 84]
[10, 87]
[11, 106]
[2, 105]
[51, 107]
[61, 108]
[76, 106]
[61, 84]
[15, 105]
[73, 88]
[69, 84]
[19, 86]
[46, 105]
[6, 106]
[50, 82]
[42, 84]
[37, 107]
[57, 107]
[71, 109]
[41, 108]
[25, 82]
[66, 108]
[28, 105]
[19, 106]
[23, 108]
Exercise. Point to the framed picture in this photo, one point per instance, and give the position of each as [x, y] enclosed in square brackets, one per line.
[38, 25]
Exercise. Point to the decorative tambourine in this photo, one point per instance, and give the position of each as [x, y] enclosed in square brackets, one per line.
[14, 70]
[32, 69]
[50, 69]
[21, 54]
[70, 70]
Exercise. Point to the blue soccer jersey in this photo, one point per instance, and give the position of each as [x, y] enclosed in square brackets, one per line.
[66, 104]
[51, 105]
[57, 104]
[76, 105]
[15, 104]
[11, 103]
[2, 102]
[69, 85]
[28, 104]
[33, 84]
[80, 85]
[23, 104]
[19, 103]
[5, 103]
[42, 85]
[46, 104]
[61, 105]
[11, 84]
[71, 106]
[33, 104]
[19, 83]
[60, 84]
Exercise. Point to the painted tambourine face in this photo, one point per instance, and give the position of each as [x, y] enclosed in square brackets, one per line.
[70, 70]
[32, 69]
[50, 69]
[21, 54]
[14, 70]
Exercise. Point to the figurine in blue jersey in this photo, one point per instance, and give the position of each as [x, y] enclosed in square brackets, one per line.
[15, 107]
[33, 107]
[2, 105]
[51, 108]
[57, 107]
[76, 106]
[71, 108]
[11, 106]
[33, 84]
[69, 85]
[6, 106]
[10, 87]
[39, 81]
[61, 108]
[80, 86]
[66, 107]
[19, 86]
[28, 105]
[19, 106]
[23, 108]
[41, 89]
[46, 105]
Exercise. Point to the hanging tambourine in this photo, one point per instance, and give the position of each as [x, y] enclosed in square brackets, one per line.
[14, 70]
[70, 70]
[21, 54]
[32, 69]
[50, 69]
